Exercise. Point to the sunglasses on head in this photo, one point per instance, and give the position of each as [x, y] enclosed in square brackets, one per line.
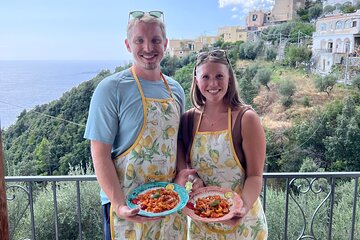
[218, 53]
[140, 14]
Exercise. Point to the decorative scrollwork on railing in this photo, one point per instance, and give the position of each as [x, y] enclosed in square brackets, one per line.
[17, 206]
[298, 186]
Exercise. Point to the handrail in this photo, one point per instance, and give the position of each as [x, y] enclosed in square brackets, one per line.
[294, 186]
[61, 178]
[93, 177]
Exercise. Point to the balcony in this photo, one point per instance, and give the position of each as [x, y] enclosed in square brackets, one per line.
[297, 205]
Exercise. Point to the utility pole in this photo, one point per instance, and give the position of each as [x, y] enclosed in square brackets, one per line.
[346, 68]
[4, 221]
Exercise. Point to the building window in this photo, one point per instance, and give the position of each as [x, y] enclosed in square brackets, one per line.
[354, 24]
[254, 17]
[191, 46]
[339, 25]
[323, 27]
[330, 47]
[181, 52]
[347, 24]
[347, 46]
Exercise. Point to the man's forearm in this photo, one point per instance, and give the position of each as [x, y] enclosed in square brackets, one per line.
[108, 181]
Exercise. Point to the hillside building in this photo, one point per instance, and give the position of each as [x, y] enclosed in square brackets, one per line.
[183, 47]
[336, 40]
[233, 33]
[285, 10]
[337, 2]
[256, 21]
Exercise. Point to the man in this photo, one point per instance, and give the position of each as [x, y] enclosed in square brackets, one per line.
[133, 124]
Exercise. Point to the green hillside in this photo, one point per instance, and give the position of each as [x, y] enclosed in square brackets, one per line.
[309, 124]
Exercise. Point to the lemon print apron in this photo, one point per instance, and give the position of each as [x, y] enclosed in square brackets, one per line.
[150, 159]
[213, 156]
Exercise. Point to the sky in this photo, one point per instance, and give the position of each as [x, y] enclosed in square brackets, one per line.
[96, 30]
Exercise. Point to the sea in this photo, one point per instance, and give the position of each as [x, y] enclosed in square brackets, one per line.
[26, 84]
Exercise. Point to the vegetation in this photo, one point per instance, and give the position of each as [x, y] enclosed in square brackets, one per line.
[306, 130]
[68, 228]
[41, 145]
[287, 90]
[325, 83]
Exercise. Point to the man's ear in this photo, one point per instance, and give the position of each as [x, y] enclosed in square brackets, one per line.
[127, 45]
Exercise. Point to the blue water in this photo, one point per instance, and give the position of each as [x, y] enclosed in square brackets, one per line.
[25, 84]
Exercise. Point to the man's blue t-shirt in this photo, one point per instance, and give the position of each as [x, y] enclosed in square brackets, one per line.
[116, 113]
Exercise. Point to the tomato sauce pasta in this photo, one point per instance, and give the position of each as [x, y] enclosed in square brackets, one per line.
[158, 200]
[211, 207]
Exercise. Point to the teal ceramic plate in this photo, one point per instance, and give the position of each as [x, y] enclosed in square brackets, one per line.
[184, 197]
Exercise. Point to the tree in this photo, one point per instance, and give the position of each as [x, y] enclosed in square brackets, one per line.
[297, 55]
[169, 65]
[270, 54]
[220, 41]
[287, 90]
[347, 7]
[263, 76]
[249, 50]
[326, 83]
[343, 143]
[315, 11]
[184, 76]
[356, 81]
[45, 164]
[329, 9]
[247, 90]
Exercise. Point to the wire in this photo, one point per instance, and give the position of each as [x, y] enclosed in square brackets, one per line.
[44, 114]
[300, 145]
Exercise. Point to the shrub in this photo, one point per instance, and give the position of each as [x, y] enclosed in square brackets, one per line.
[263, 76]
[308, 202]
[356, 81]
[286, 101]
[287, 89]
[326, 83]
[91, 219]
[306, 102]
[270, 54]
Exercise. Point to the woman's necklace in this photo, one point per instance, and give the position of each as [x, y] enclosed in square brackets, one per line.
[213, 121]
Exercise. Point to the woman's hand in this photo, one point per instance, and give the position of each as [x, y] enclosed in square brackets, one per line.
[130, 214]
[240, 210]
[189, 175]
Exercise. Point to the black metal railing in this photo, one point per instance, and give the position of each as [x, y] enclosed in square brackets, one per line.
[293, 186]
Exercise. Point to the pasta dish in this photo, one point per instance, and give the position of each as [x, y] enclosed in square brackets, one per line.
[211, 207]
[157, 200]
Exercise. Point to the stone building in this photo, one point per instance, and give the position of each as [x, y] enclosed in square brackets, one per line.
[183, 47]
[233, 33]
[336, 39]
[285, 10]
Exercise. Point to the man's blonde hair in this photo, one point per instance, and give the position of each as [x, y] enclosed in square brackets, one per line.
[146, 18]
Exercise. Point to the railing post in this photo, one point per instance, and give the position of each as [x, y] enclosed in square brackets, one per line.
[4, 221]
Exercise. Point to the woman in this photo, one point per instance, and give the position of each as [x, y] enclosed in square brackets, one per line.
[227, 147]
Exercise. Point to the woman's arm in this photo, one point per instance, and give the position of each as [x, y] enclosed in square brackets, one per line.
[184, 171]
[254, 146]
